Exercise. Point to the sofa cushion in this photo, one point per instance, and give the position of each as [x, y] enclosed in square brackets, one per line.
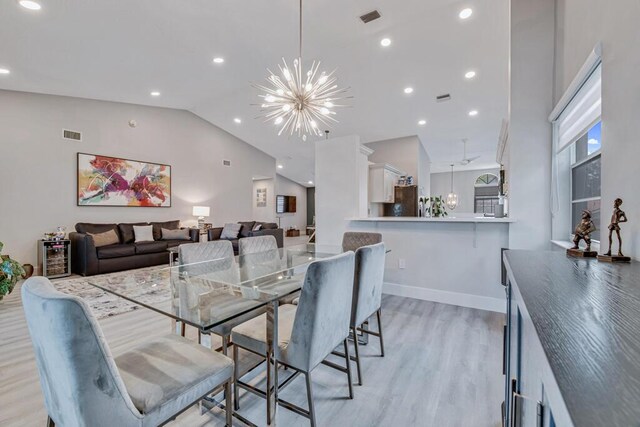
[115, 251]
[105, 239]
[247, 226]
[180, 234]
[269, 225]
[158, 226]
[143, 233]
[150, 247]
[230, 231]
[126, 231]
[87, 227]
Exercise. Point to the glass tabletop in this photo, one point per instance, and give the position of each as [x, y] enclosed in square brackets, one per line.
[212, 292]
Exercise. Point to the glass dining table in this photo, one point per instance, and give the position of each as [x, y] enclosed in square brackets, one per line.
[209, 293]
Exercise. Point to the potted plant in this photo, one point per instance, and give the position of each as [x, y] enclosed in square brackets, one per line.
[435, 207]
[10, 272]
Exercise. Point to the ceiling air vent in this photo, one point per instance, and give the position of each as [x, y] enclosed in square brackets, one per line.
[371, 16]
[72, 135]
[226, 162]
[443, 98]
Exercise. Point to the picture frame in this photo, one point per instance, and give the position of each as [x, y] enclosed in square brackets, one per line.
[261, 197]
[119, 182]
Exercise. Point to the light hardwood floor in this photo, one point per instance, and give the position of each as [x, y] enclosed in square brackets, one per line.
[442, 368]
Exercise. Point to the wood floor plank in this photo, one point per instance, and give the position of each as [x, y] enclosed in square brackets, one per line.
[442, 368]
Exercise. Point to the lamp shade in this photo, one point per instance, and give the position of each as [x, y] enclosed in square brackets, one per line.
[201, 211]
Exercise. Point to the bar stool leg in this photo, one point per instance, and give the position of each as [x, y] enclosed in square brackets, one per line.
[356, 346]
[348, 360]
[312, 412]
[380, 332]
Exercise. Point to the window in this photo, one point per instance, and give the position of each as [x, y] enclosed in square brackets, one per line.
[577, 145]
[585, 177]
[486, 193]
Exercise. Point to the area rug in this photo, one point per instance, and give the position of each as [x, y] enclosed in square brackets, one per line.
[104, 304]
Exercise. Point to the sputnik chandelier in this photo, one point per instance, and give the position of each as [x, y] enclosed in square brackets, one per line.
[300, 102]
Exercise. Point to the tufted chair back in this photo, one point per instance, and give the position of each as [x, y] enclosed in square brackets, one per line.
[352, 240]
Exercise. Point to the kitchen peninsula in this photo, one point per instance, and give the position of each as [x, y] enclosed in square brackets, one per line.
[427, 255]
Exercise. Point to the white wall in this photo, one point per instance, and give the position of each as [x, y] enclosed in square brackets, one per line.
[286, 187]
[340, 167]
[401, 153]
[531, 102]
[463, 185]
[264, 213]
[38, 167]
[581, 24]
[424, 172]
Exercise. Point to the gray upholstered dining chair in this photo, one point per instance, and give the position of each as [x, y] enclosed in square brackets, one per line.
[308, 332]
[217, 259]
[260, 256]
[367, 295]
[83, 385]
[352, 240]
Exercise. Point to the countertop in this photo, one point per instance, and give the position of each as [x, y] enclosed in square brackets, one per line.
[469, 219]
[587, 318]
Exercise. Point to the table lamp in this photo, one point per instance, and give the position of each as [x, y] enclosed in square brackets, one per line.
[201, 212]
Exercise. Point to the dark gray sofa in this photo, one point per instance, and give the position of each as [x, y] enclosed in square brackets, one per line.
[88, 260]
[267, 229]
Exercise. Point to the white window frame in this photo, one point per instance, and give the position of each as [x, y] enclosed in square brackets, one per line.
[578, 110]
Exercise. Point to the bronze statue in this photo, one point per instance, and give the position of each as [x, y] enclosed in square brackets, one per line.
[583, 231]
[617, 218]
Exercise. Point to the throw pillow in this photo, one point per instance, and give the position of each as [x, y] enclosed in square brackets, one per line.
[143, 233]
[230, 231]
[103, 239]
[175, 234]
[257, 227]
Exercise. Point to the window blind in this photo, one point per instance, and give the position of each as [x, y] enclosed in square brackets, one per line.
[582, 112]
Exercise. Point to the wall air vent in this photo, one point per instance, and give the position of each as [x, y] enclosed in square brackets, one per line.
[226, 162]
[371, 16]
[72, 135]
[443, 98]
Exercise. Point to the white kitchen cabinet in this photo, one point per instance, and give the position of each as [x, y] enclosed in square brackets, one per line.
[382, 180]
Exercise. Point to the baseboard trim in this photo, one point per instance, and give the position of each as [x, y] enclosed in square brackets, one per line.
[454, 298]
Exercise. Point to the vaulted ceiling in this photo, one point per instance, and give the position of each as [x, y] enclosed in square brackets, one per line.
[123, 50]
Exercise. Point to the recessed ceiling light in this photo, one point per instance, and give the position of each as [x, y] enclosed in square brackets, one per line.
[385, 42]
[237, 120]
[280, 166]
[422, 122]
[408, 90]
[4, 71]
[473, 113]
[30, 4]
[218, 60]
[310, 182]
[465, 13]
[469, 74]
[155, 93]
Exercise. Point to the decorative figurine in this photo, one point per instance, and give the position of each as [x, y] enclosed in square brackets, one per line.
[583, 232]
[617, 218]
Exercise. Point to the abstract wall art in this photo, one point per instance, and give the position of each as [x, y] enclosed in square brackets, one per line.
[111, 181]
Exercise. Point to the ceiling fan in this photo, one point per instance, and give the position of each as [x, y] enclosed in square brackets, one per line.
[466, 160]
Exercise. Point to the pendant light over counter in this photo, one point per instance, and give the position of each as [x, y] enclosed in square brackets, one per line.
[452, 198]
